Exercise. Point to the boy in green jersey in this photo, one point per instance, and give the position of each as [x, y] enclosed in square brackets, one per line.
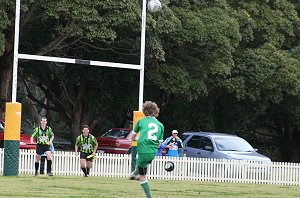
[151, 135]
[87, 144]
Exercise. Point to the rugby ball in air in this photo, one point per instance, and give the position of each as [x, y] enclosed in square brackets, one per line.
[154, 6]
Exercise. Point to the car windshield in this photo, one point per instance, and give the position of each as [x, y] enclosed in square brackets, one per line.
[116, 133]
[233, 144]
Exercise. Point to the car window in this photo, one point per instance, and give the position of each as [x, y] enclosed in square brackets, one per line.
[116, 133]
[206, 142]
[194, 142]
[233, 144]
[199, 142]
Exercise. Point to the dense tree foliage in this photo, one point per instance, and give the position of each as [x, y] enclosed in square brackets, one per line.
[230, 66]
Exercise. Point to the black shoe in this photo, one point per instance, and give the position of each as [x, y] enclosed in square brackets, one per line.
[86, 175]
[134, 178]
[50, 174]
[42, 173]
[36, 174]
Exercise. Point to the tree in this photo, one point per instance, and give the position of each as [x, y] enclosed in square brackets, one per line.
[5, 72]
[58, 29]
[218, 65]
[240, 75]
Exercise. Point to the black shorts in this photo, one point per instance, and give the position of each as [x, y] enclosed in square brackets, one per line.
[84, 156]
[42, 148]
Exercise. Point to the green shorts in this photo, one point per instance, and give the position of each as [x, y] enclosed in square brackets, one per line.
[144, 159]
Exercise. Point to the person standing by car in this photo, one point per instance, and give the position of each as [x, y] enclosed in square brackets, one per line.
[87, 144]
[43, 159]
[151, 135]
[173, 143]
[44, 138]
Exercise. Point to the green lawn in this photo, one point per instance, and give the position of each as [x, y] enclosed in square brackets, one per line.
[67, 186]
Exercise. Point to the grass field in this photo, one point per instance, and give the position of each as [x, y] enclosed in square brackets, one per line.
[67, 186]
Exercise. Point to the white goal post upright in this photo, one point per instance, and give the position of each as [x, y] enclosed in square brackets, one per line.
[18, 56]
[16, 52]
[142, 57]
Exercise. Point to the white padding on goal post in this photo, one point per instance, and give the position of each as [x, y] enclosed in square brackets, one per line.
[78, 61]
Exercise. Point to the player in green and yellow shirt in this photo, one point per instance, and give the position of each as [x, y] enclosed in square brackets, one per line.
[151, 135]
[87, 145]
[44, 137]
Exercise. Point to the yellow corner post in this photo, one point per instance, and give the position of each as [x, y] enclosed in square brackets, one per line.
[137, 115]
[12, 138]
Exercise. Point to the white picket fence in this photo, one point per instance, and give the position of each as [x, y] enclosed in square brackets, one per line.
[194, 169]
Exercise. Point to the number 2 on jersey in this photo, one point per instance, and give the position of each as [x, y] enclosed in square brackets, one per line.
[154, 129]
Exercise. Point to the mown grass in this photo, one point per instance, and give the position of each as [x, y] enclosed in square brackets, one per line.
[67, 186]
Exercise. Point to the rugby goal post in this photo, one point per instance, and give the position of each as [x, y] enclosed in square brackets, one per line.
[18, 56]
[14, 108]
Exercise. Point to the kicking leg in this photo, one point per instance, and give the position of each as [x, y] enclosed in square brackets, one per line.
[134, 174]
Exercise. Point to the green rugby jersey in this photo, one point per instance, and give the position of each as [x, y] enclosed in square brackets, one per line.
[42, 136]
[151, 133]
[86, 144]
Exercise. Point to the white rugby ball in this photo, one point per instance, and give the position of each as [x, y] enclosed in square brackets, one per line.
[154, 6]
[169, 166]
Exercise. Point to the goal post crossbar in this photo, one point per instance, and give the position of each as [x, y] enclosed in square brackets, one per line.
[78, 61]
[17, 56]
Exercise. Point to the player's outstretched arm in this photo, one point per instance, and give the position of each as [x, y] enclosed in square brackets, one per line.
[132, 135]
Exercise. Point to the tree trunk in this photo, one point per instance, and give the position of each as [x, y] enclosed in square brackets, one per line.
[5, 82]
[76, 120]
[78, 105]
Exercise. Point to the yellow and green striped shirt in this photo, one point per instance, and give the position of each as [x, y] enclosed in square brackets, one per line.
[86, 144]
[42, 136]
